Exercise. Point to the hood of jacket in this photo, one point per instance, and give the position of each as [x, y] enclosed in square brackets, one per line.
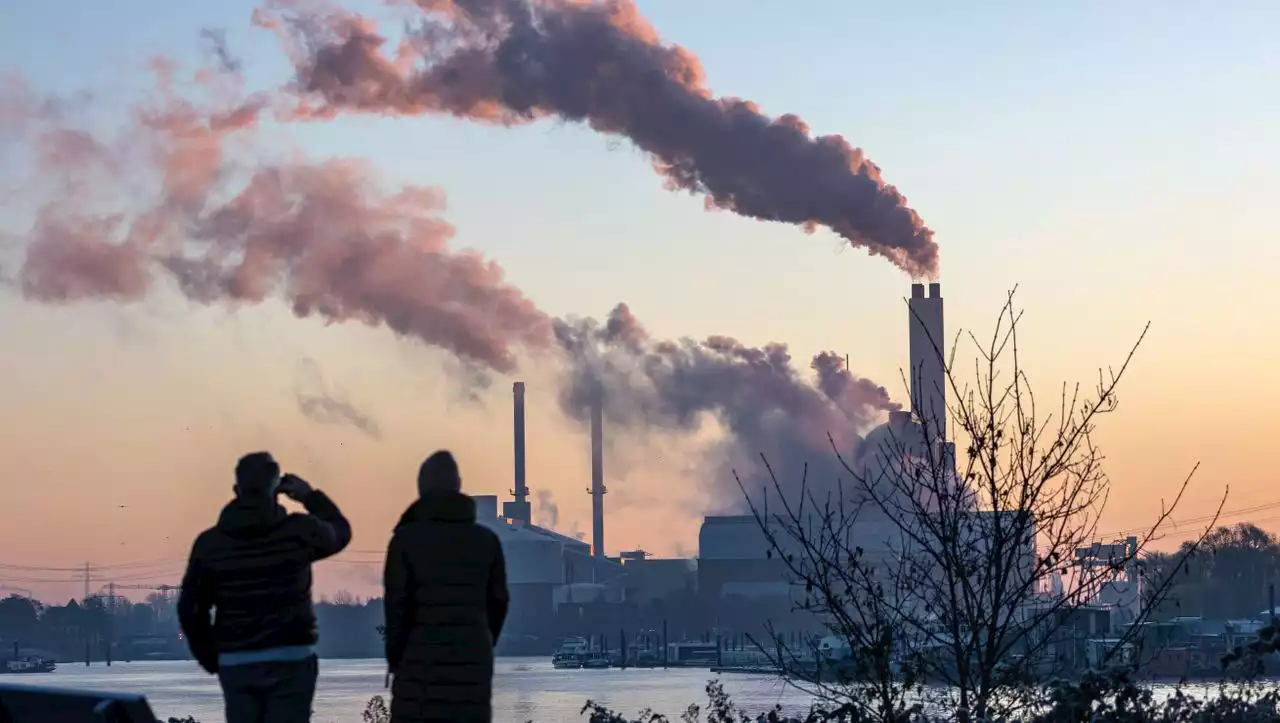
[249, 517]
[440, 507]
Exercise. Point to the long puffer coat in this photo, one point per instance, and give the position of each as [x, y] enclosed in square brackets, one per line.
[446, 600]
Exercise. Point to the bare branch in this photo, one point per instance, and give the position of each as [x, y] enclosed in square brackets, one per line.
[969, 569]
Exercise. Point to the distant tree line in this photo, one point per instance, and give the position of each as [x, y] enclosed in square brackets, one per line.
[91, 627]
[130, 630]
[1227, 577]
[348, 626]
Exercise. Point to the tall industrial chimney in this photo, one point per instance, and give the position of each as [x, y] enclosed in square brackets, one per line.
[928, 345]
[597, 473]
[519, 509]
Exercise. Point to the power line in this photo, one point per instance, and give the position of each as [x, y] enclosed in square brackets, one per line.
[1196, 520]
[1193, 533]
[89, 572]
[163, 574]
[93, 567]
[42, 568]
[168, 574]
[147, 563]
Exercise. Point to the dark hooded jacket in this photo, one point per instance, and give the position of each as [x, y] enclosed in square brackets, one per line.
[254, 569]
[446, 601]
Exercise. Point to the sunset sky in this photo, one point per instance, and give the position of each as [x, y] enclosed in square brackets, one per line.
[1114, 161]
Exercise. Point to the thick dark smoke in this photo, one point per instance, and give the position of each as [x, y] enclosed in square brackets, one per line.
[324, 237]
[601, 63]
[759, 397]
[317, 402]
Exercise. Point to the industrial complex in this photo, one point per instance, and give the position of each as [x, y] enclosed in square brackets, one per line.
[562, 586]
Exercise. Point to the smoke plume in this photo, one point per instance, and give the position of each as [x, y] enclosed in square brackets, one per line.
[602, 64]
[186, 194]
[323, 405]
[324, 237]
[547, 513]
[757, 395]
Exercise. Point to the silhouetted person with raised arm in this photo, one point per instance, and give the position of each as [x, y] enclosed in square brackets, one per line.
[446, 600]
[253, 572]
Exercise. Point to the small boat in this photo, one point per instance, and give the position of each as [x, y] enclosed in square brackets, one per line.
[597, 660]
[28, 664]
[566, 661]
[570, 655]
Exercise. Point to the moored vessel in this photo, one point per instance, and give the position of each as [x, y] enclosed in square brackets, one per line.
[597, 660]
[28, 664]
[571, 654]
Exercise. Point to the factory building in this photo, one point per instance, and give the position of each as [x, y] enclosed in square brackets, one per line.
[646, 581]
[741, 580]
[536, 559]
[734, 560]
[732, 550]
[546, 569]
[563, 586]
[746, 588]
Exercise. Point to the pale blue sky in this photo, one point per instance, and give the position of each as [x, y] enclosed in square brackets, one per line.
[1076, 145]
[1117, 160]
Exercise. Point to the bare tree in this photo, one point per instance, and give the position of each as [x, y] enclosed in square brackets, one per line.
[344, 597]
[973, 572]
[864, 674]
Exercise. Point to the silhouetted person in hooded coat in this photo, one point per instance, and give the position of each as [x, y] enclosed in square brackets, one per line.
[446, 600]
[252, 572]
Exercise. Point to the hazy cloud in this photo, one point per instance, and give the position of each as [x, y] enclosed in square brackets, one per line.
[323, 405]
[215, 41]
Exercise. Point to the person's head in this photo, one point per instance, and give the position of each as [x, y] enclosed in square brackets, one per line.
[257, 475]
[439, 473]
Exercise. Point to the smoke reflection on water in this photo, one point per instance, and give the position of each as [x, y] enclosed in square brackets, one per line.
[525, 689]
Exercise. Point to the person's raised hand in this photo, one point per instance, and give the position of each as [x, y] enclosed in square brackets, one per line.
[294, 487]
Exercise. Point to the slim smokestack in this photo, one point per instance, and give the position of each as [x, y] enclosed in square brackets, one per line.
[519, 509]
[521, 491]
[928, 375]
[597, 473]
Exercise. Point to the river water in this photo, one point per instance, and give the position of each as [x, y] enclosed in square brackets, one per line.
[525, 689]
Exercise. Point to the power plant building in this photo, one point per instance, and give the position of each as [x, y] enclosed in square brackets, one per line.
[734, 560]
[735, 584]
[735, 567]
